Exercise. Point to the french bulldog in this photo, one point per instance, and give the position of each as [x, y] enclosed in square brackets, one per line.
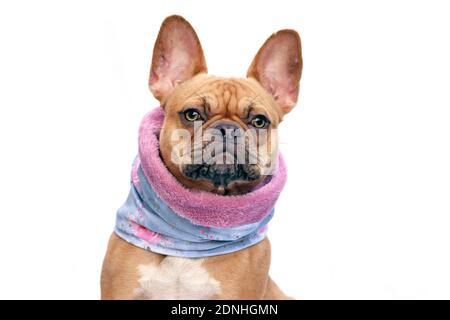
[179, 80]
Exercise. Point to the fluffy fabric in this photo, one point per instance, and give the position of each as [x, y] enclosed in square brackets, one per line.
[163, 216]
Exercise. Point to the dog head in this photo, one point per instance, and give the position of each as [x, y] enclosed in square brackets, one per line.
[219, 134]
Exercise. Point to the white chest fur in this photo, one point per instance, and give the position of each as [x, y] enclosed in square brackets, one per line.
[176, 278]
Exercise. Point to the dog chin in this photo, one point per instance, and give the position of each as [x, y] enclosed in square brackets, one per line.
[225, 179]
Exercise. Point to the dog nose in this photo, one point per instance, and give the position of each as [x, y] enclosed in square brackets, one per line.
[226, 128]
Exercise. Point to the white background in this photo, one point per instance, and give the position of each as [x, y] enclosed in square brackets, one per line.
[366, 210]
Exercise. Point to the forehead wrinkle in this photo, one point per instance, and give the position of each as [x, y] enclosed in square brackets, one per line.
[226, 94]
[232, 103]
[206, 94]
[244, 86]
[202, 91]
[246, 90]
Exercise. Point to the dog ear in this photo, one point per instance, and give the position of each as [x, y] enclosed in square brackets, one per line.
[278, 67]
[177, 56]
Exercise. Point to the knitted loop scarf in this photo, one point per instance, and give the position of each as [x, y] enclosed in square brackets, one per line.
[163, 216]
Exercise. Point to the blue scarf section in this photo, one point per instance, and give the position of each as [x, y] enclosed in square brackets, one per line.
[149, 223]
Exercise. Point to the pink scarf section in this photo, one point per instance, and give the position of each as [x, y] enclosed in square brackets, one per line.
[202, 207]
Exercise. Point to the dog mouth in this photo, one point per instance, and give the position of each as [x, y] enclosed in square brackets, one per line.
[222, 175]
[231, 165]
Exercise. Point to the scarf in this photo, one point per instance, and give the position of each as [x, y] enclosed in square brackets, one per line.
[163, 216]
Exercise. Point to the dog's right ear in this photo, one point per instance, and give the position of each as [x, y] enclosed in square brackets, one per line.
[177, 56]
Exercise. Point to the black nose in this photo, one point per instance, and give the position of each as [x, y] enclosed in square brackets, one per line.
[226, 128]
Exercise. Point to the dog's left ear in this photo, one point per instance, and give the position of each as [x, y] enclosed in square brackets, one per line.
[278, 67]
[177, 56]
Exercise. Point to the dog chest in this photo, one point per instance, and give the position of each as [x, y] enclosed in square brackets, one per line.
[176, 278]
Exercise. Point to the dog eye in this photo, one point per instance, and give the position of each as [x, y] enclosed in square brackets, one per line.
[259, 121]
[192, 115]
